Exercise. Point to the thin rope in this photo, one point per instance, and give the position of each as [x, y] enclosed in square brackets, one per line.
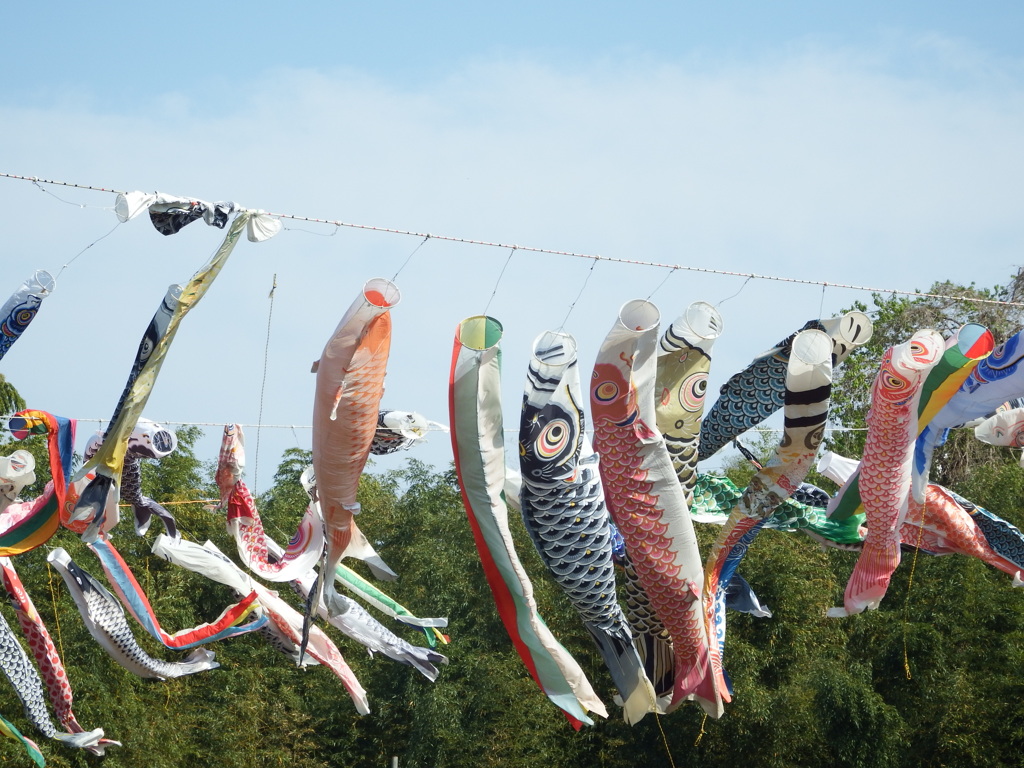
[910, 583]
[71, 202]
[90, 245]
[664, 740]
[263, 386]
[735, 294]
[422, 243]
[498, 282]
[574, 254]
[578, 295]
[821, 306]
[311, 232]
[56, 613]
[702, 731]
[670, 273]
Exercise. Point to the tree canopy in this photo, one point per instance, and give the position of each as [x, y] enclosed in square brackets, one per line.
[932, 678]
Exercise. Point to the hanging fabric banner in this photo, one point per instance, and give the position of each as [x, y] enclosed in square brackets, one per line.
[349, 386]
[646, 501]
[885, 476]
[21, 308]
[478, 445]
[562, 504]
[98, 503]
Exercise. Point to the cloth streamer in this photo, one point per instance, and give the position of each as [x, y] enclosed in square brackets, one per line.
[646, 501]
[478, 447]
[21, 308]
[562, 504]
[808, 390]
[98, 503]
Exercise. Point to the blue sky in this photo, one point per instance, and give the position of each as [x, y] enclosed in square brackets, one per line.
[871, 144]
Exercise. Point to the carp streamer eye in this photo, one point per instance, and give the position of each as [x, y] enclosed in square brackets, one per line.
[553, 439]
[692, 391]
[607, 391]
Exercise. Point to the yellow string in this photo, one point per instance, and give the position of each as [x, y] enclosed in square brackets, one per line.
[664, 740]
[56, 613]
[910, 583]
[702, 731]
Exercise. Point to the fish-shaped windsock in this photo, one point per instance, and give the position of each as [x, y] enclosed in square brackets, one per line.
[98, 502]
[562, 503]
[474, 398]
[54, 676]
[944, 528]
[148, 440]
[400, 431]
[244, 524]
[16, 471]
[963, 351]
[808, 390]
[349, 386]
[885, 473]
[1004, 428]
[21, 308]
[715, 497]
[210, 562]
[23, 676]
[758, 391]
[684, 359]
[646, 501]
[104, 618]
[356, 622]
[121, 578]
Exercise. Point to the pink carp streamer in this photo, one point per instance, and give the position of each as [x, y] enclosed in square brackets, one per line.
[349, 386]
[646, 501]
[945, 526]
[245, 527]
[885, 474]
[51, 667]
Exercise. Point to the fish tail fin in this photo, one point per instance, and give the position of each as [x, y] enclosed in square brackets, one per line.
[871, 576]
[700, 683]
[83, 739]
[200, 660]
[425, 661]
[312, 601]
[627, 672]
[655, 651]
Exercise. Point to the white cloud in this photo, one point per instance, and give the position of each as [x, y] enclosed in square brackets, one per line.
[891, 167]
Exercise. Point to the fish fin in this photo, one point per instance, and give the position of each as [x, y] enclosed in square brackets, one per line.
[81, 740]
[315, 366]
[312, 601]
[627, 672]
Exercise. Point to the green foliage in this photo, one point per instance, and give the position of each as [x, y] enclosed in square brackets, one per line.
[932, 678]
